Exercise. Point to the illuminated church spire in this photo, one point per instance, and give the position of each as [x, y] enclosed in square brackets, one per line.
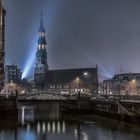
[41, 65]
[41, 35]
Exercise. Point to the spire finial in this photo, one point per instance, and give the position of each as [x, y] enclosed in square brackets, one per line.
[41, 29]
[41, 18]
[42, 14]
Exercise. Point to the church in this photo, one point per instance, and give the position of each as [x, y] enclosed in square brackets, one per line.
[64, 80]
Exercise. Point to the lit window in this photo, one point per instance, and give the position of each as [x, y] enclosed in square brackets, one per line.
[39, 47]
[43, 46]
[41, 34]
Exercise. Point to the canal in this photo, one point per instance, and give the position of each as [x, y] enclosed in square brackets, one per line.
[46, 122]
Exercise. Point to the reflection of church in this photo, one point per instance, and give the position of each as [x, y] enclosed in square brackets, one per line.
[63, 81]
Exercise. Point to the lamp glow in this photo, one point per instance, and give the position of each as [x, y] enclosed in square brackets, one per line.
[85, 73]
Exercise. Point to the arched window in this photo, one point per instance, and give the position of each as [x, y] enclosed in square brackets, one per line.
[42, 34]
[43, 46]
[39, 46]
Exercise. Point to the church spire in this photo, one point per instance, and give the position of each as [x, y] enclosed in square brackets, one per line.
[41, 28]
[41, 65]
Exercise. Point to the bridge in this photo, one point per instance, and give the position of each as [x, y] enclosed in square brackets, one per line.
[113, 105]
[41, 97]
[51, 96]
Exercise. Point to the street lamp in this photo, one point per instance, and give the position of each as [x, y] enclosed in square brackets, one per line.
[78, 83]
[85, 73]
[78, 86]
[133, 81]
[133, 85]
[80, 79]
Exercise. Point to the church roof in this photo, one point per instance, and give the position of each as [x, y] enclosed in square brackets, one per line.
[68, 75]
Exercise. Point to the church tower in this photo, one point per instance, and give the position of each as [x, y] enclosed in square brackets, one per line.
[2, 44]
[41, 65]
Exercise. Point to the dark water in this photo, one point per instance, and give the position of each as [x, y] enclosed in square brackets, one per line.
[45, 122]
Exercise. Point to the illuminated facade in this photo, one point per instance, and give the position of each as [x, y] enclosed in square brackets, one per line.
[106, 87]
[12, 74]
[126, 84]
[2, 44]
[122, 84]
[72, 80]
[41, 65]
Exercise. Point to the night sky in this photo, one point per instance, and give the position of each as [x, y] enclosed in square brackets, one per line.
[80, 33]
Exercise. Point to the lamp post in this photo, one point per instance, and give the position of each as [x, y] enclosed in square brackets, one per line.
[133, 84]
[78, 83]
[85, 74]
[78, 86]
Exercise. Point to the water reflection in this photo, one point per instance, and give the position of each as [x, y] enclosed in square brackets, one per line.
[28, 127]
[47, 127]
[38, 127]
[44, 127]
[58, 127]
[45, 122]
[39, 112]
[85, 136]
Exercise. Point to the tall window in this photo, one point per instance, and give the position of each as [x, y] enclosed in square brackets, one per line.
[39, 46]
[43, 46]
[42, 34]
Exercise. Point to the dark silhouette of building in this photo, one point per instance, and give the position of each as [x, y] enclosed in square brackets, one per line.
[72, 80]
[12, 74]
[41, 65]
[63, 81]
[2, 44]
